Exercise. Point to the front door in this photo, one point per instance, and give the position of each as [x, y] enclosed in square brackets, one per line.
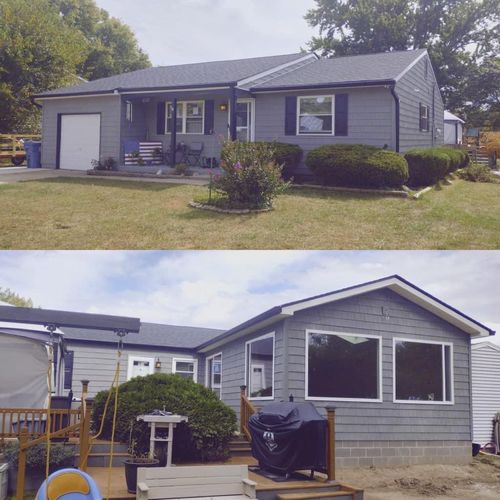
[245, 115]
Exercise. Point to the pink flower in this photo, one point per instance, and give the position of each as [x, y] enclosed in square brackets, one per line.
[237, 166]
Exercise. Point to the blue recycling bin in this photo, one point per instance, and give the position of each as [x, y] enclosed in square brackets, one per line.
[33, 153]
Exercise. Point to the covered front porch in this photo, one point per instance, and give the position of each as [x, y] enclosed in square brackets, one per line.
[188, 126]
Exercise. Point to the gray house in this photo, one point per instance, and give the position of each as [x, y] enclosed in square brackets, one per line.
[394, 360]
[388, 100]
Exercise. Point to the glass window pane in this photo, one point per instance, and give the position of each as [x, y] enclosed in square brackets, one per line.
[260, 365]
[194, 125]
[184, 366]
[316, 105]
[194, 109]
[315, 124]
[343, 366]
[419, 371]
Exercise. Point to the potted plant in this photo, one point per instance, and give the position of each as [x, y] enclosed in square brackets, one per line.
[136, 460]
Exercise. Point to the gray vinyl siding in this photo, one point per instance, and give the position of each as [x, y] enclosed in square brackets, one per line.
[370, 119]
[413, 88]
[107, 106]
[135, 130]
[233, 367]
[97, 363]
[485, 391]
[386, 420]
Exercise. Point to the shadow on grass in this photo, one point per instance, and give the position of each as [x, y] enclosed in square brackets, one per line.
[134, 185]
[339, 195]
[200, 214]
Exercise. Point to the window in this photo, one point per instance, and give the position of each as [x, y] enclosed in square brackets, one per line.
[68, 369]
[422, 372]
[424, 118]
[139, 366]
[186, 368]
[190, 117]
[214, 373]
[259, 367]
[129, 111]
[343, 366]
[315, 115]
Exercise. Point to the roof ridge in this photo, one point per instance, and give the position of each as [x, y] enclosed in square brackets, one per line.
[373, 54]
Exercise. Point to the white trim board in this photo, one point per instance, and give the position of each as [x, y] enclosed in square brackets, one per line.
[207, 361]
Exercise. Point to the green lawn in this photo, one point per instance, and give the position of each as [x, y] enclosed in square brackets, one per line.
[72, 213]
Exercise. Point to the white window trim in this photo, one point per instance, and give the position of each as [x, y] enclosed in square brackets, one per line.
[343, 334]
[247, 344]
[207, 383]
[184, 117]
[251, 100]
[427, 111]
[452, 377]
[186, 360]
[132, 358]
[297, 127]
[129, 115]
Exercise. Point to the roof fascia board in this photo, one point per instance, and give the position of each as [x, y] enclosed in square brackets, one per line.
[73, 96]
[415, 61]
[252, 78]
[111, 343]
[409, 292]
[323, 86]
[173, 89]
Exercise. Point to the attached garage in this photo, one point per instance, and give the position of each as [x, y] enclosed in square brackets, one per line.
[79, 140]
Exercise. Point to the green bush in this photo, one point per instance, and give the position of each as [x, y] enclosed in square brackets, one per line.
[286, 155]
[458, 158]
[251, 178]
[426, 166]
[357, 165]
[477, 173]
[60, 456]
[210, 426]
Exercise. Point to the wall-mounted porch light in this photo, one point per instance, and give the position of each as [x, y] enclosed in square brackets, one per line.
[223, 106]
[157, 363]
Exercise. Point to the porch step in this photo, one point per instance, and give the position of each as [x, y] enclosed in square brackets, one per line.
[240, 447]
[102, 459]
[342, 494]
[104, 447]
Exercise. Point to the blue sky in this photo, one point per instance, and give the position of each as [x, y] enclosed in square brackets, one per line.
[222, 288]
[185, 31]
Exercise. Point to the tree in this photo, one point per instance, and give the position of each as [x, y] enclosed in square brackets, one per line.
[38, 51]
[113, 48]
[12, 298]
[462, 38]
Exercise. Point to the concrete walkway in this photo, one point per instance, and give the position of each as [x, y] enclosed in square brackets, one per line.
[9, 175]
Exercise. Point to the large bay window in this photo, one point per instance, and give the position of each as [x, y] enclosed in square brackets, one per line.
[423, 372]
[343, 366]
[260, 367]
[190, 117]
[315, 115]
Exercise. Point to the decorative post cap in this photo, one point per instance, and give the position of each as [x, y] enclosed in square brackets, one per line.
[330, 408]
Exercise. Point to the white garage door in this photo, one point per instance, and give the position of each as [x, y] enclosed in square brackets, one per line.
[80, 141]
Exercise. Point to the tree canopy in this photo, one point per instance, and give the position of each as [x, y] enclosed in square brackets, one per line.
[462, 37]
[14, 299]
[45, 44]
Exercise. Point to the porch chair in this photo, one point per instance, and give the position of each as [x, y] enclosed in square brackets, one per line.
[69, 484]
[194, 154]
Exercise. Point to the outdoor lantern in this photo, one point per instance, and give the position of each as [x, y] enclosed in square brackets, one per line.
[223, 106]
[158, 363]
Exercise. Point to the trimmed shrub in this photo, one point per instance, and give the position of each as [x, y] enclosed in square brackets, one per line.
[426, 166]
[60, 456]
[205, 437]
[286, 155]
[357, 165]
[458, 158]
[476, 172]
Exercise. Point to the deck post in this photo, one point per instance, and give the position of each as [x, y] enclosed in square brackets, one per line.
[243, 391]
[232, 115]
[330, 449]
[21, 465]
[173, 132]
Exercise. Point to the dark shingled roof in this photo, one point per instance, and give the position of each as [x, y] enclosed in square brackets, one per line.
[341, 70]
[150, 334]
[207, 73]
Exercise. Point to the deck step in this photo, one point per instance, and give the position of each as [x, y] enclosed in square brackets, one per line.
[102, 459]
[338, 495]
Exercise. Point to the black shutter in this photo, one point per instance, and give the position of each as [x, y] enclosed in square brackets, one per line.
[209, 117]
[160, 118]
[68, 369]
[291, 115]
[341, 114]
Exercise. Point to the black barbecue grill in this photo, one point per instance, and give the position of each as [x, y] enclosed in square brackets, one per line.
[289, 436]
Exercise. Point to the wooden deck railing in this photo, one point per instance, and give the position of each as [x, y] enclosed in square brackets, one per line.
[246, 410]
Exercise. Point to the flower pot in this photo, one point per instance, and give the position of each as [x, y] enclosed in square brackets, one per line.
[131, 466]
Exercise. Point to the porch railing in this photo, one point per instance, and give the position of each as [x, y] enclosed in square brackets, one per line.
[247, 409]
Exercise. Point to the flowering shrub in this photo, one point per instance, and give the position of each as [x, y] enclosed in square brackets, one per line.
[250, 178]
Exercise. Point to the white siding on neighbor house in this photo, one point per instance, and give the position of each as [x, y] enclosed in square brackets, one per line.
[485, 390]
[97, 363]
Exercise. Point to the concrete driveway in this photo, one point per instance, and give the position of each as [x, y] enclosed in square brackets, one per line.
[17, 174]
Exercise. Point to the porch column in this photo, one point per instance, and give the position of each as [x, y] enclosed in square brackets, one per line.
[232, 118]
[173, 132]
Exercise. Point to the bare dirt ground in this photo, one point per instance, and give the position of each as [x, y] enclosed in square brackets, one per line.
[479, 480]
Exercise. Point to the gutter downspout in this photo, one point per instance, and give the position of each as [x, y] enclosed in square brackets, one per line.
[396, 100]
[433, 113]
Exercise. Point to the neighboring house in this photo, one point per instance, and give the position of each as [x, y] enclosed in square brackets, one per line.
[388, 100]
[485, 390]
[392, 359]
[453, 128]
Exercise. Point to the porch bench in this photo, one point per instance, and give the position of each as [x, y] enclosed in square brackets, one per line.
[224, 482]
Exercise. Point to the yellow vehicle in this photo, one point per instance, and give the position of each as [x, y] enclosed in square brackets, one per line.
[12, 148]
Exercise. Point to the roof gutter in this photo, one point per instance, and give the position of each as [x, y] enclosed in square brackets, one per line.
[332, 85]
[395, 95]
